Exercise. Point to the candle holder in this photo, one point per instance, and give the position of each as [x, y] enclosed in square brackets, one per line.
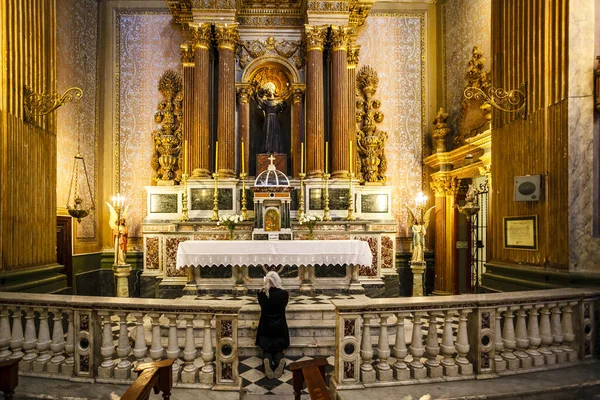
[243, 177]
[302, 175]
[350, 216]
[184, 200]
[215, 214]
[326, 216]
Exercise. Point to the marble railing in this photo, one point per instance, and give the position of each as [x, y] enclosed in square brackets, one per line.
[461, 337]
[103, 339]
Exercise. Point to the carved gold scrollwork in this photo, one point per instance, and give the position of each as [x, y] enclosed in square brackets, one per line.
[441, 130]
[201, 35]
[359, 11]
[168, 138]
[513, 101]
[227, 36]
[370, 140]
[36, 104]
[444, 185]
[352, 56]
[187, 54]
[274, 75]
[340, 37]
[251, 49]
[314, 36]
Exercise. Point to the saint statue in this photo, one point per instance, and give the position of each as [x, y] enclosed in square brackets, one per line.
[419, 224]
[120, 234]
[271, 106]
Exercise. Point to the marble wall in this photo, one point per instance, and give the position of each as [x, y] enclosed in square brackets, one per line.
[466, 23]
[400, 63]
[77, 49]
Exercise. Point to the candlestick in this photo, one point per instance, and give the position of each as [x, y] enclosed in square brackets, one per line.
[243, 159]
[216, 156]
[215, 214]
[184, 198]
[350, 216]
[326, 216]
[301, 196]
[185, 157]
[326, 157]
[244, 200]
[302, 157]
[350, 158]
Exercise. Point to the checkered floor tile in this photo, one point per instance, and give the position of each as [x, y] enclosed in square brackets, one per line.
[294, 300]
[254, 380]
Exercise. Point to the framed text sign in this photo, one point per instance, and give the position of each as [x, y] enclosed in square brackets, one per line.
[521, 233]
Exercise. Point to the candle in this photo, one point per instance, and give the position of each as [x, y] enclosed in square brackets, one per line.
[185, 157]
[326, 157]
[302, 157]
[350, 156]
[216, 156]
[243, 159]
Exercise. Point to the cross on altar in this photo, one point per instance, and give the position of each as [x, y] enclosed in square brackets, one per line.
[271, 158]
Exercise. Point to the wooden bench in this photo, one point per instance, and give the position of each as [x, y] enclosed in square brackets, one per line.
[156, 375]
[9, 377]
[313, 373]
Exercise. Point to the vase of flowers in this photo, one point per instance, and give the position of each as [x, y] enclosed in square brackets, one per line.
[230, 221]
[310, 221]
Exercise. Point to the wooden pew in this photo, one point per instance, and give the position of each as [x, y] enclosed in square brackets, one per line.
[9, 377]
[313, 373]
[156, 375]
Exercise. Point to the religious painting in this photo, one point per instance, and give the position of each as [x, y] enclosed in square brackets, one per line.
[163, 203]
[202, 199]
[521, 233]
[374, 203]
[272, 220]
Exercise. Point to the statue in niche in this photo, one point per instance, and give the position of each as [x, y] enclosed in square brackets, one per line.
[419, 222]
[116, 222]
[271, 106]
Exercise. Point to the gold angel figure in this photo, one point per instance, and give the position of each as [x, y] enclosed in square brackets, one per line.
[119, 229]
[419, 224]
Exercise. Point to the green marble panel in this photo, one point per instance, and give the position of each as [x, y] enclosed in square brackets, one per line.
[338, 199]
[202, 199]
[163, 203]
[315, 199]
[374, 203]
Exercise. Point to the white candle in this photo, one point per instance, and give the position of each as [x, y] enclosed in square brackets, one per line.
[243, 159]
[185, 157]
[216, 156]
[350, 156]
[326, 157]
[302, 157]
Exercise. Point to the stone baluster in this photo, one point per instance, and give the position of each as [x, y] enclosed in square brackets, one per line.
[173, 346]
[416, 348]
[30, 343]
[43, 342]
[367, 373]
[139, 347]
[207, 374]
[546, 336]
[557, 334]
[535, 340]
[16, 338]
[107, 350]
[401, 371]
[569, 335]
[462, 344]
[432, 348]
[188, 375]
[383, 371]
[447, 348]
[123, 369]
[509, 341]
[58, 343]
[521, 339]
[156, 348]
[4, 333]
[499, 362]
[67, 367]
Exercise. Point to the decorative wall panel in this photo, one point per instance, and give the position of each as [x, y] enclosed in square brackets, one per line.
[393, 44]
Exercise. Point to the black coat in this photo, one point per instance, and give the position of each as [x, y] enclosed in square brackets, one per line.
[273, 335]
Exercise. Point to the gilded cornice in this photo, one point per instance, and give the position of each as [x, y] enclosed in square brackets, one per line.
[227, 36]
[213, 4]
[315, 37]
[340, 37]
[298, 93]
[187, 55]
[181, 10]
[243, 92]
[443, 184]
[201, 35]
[252, 49]
[476, 145]
[325, 6]
[359, 11]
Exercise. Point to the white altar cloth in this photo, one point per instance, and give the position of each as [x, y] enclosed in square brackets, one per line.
[258, 252]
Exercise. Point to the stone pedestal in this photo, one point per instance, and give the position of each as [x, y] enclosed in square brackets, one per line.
[367, 376]
[450, 370]
[122, 279]
[206, 377]
[53, 368]
[417, 268]
[105, 372]
[418, 373]
[384, 375]
[189, 376]
[67, 369]
[39, 366]
[401, 374]
[466, 369]
[434, 371]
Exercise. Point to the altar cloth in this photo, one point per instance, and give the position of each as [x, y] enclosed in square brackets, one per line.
[258, 252]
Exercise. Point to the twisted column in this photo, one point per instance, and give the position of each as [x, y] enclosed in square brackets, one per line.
[340, 163]
[243, 92]
[315, 122]
[227, 37]
[199, 145]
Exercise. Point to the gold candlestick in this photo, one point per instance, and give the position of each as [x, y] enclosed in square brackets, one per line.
[243, 176]
[350, 216]
[326, 216]
[184, 200]
[215, 214]
[302, 175]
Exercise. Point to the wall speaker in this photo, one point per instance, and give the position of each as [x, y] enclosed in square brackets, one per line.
[528, 188]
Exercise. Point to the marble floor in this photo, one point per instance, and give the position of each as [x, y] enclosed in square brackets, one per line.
[294, 300]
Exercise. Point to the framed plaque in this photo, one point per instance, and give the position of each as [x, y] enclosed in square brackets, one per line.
[521, 233]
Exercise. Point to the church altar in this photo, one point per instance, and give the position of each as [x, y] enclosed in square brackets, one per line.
[304, 256]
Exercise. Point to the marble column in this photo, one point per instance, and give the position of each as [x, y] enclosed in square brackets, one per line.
[315, 121]
[199, 145]
[353, 53]
[297, 115]
[444, 188]
[243, 93]
[340, 147]
[227, 37]
[187, 60]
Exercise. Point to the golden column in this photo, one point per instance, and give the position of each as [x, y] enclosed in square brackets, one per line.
[199, 146]
[353, 52]
[227, 37]
[444, 188]
[315, 122]
[243, 93]
[187, 59]
[340, 36]
[297, 106]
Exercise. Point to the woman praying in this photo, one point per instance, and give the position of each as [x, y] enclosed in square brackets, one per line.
[273, 336]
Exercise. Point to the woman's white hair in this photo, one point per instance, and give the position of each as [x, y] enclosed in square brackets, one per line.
[272, 279]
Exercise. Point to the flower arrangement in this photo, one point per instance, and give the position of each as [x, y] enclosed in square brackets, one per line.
[230, 221]
[310, 220]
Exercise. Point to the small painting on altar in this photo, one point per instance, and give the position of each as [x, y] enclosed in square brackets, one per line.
[163, 203]
[272, 220]
[338, 199]
[202, 199]
[374, 203]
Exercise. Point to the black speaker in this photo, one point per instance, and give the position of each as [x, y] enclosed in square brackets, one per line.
[528, 188]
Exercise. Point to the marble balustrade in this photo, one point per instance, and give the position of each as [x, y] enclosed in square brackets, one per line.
[426, 339]
[103, 339]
